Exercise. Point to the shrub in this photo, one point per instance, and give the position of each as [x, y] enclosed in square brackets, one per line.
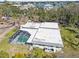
[4, 54]
[39, 53]
[77, 36]
[19, 55]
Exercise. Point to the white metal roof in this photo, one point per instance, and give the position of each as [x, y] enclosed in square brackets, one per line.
[48, 5]
[46, 33]
[48, 36]
[31, 25]
[49, 25]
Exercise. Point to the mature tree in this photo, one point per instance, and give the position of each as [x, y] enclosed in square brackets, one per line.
[9, 10]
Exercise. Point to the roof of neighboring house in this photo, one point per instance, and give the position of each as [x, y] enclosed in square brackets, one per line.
[48, 5]
[46, 33]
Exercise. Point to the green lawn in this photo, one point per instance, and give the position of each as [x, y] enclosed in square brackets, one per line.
[71, 46]
[4, 44]
[69, 38]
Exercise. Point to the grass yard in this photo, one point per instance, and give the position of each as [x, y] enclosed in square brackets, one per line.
[4, 44]
[69, 38]
[71, 43]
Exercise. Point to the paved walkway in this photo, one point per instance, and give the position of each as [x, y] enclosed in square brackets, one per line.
[3, 34]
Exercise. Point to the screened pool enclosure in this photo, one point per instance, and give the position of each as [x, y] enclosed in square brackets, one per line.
[20, 37]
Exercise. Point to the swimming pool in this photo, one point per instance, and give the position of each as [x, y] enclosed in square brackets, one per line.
[20, 37]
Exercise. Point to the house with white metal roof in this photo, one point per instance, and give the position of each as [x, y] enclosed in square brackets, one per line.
[45, 35]
[48, 6]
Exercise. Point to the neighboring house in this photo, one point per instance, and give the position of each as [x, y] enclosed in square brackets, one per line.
[48, 6]
[27, 6]
[17, 5]
[44, 35]
[23, 7]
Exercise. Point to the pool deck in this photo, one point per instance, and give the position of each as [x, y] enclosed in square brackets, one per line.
[15, 40]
